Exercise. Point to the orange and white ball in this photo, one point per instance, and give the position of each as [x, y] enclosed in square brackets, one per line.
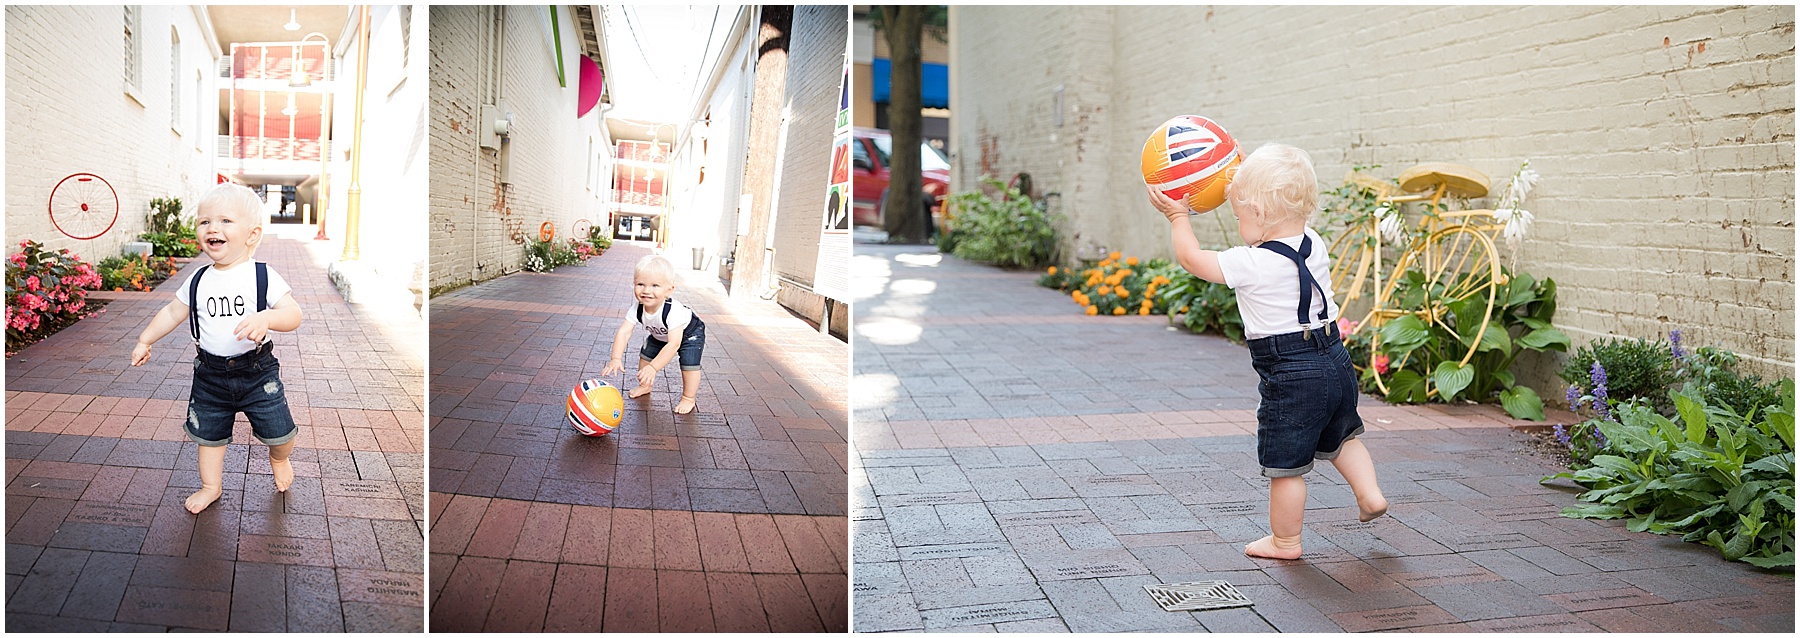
[1191, 158]
[595, 408]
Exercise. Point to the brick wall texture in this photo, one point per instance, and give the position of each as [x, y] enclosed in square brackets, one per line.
[814, 74]
[478, 225]
[1664, 135]
[67, 112]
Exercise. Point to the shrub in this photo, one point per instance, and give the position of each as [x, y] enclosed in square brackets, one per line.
[545, 256]
[1712, 373]
[1635, 368]
[135, 272]
[1114, 286]
[1010, 232]
[1204, 305]
[45, 291]
[169, 235]
[600, 238]
[1714, 476]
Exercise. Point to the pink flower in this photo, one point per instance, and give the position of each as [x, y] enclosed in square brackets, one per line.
[1381, 363]
[31, 283]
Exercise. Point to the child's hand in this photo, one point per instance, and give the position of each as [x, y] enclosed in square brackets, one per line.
[1170, 208]
[613, 367]
[646, 375]
[140, 354]
[252, 328]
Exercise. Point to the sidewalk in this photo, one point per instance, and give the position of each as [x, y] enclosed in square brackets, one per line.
[728, 519]
[1019, 466]
[98, 468]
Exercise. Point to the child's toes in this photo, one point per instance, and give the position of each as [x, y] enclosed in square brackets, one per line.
[685, 406]
[638, 391]
[200, 500]
[284, 474]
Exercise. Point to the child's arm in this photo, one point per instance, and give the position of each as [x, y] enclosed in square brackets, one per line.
[284, 316]
[1202, 262]
[165, 321]
[620, 339]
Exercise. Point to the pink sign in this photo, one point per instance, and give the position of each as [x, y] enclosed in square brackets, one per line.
[592, 83]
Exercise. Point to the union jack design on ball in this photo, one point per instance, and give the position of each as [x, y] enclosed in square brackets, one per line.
[595, 408]
[1192, 158]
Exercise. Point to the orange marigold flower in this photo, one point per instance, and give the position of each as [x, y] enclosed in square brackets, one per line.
[1144, 311]
[1093, 310]
[1184, 309]
[1125, 273]
[1114, 256]
[1105, 262]
[1119, 310]
[1052, 270]
[1131, 261]
[1105, 290]
[1123, 292]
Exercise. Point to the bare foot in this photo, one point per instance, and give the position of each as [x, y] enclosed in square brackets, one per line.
[638, 392]
[685, 406]
[200, 500]
[284, 474]
[1271, 547]
[1366, 514]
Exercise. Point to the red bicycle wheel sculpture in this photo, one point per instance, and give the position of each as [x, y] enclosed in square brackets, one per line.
[83, 206]
[580, 229]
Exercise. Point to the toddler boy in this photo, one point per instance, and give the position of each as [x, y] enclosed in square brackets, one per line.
[653, 280]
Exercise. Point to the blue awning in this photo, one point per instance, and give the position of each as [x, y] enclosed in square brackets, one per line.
[935, 93]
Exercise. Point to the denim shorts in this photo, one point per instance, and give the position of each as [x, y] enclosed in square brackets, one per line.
[692, 341]
[1309, 395]
[249, 383]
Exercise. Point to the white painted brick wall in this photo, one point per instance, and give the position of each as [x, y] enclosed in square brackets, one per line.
[472, 233]
[67, 112]
[1667, 198]
[814, 73]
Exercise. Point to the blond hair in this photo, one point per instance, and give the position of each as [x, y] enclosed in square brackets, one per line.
[243, 198]
[1277, 179]
[655, 266]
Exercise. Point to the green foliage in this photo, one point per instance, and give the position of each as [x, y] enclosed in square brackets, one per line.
[1635, 368]
[599, 237]
[1203, 304]
[1712, 373]
[1418, 352]
[165, 214]
[135, 272]
[1010, 231]
[45, 291]
[169, 234]
[545, 256]
[1352, 202]
[1712, 475]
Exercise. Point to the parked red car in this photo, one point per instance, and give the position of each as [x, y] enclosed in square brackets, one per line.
[871, 149]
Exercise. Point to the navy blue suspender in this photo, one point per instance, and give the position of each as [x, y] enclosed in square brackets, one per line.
[1307, 283]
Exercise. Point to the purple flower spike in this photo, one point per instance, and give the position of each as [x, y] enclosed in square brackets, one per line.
[1675, 345]
[1574, 396]
[1562, 436]
[1598, 375]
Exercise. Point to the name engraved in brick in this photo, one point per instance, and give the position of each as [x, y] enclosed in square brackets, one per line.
[361, 488]
[1403, 615]
[392, 587]
[1118, 480]
[1046, 518]
[1232, 508]
[945, 498]
[989, 615]
[650, 442]
[1601, 599]
[111, 514]
[1609, 548]
[1477, 542]
[1434, 475]
[285, 549]
[1736, 605]
[1523, 514]
[173, 606]
[1091, 571]
[1527, 626]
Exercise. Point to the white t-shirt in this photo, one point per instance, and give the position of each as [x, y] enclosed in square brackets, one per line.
[1268, 286]
[679, 317]
[226, 298]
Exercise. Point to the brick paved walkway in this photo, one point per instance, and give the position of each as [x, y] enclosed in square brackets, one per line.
[97, 469]
[728, 519]
[1021, 467]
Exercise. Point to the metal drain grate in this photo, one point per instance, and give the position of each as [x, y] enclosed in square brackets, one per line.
[1200, 596]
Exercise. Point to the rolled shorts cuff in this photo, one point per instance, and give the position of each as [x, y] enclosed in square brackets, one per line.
[687, 368]
[280, 440]
[203, 442]
[1285, 472]
[1326, 456]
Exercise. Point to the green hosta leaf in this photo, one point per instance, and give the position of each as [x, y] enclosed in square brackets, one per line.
[1618, 465]
[1593, 511]
[1406, 387]
[1522, 402]
[1630, 439]
[1777, 463]
[1505, 377]
[1404, 334]
[1495, 338]
[1544, 338]
[1534, 323]
[1694, 414]
[1738, 546]
[1784, 559]
[1451, 378]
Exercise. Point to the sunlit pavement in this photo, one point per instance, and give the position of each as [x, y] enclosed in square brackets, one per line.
[98, 467]
[728, 519]
[1019, 466]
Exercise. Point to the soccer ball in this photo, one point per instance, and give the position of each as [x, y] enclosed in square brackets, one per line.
[595, 408]
[1191, 158]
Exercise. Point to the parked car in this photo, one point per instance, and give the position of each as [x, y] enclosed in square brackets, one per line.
[871, 149]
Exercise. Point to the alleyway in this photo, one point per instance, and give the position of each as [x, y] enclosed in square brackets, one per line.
[729, 519]
[98, 467]
[1019, 466]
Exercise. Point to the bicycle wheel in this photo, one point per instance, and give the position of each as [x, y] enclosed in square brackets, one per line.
[1458, 269]
[580, 229]
[83, 206]
[1355, 271]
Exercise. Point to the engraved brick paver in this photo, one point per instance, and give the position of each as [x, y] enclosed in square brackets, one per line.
[98, 468]
[729, 519]
[1018, 466]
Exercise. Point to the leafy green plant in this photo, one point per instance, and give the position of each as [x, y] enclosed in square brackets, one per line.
[1635, 368]
[1714, 475]
[1009, 231]
[1415, 351]
[1713, 374]
[135, 272]
[545, 256]
[1203, 305]
[165, 214]
[599, 237]
[45, 292]
[169, 235]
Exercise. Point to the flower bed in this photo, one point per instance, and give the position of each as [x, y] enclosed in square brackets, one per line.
[45, 292]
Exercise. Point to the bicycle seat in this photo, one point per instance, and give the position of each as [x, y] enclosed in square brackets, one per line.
[1365, 181]
[1461, 181]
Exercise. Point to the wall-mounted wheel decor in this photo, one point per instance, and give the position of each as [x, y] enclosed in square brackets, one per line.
[83, 206]
[580, 229]
[547, 231]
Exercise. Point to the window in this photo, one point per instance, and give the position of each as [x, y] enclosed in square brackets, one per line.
[133, 54]
[175, 79]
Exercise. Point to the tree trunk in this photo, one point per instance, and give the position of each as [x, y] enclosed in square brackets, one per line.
[907, 218]
[750, 269]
